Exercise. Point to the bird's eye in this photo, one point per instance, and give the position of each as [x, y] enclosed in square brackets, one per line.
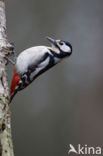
[61, 43]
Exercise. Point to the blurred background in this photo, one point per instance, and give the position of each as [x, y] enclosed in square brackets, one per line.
[65, 105]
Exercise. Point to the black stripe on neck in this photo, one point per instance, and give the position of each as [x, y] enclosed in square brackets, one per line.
[60, 55]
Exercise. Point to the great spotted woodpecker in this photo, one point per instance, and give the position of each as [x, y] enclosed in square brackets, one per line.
[36, 60]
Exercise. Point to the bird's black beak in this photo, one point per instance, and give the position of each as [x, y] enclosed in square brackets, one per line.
[52, 41]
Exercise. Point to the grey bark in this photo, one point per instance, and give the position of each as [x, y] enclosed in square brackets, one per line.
[6, 148]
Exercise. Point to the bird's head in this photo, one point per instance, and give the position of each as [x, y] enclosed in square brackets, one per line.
[61, 47]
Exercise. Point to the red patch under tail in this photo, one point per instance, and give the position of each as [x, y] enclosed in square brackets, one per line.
[14, 82]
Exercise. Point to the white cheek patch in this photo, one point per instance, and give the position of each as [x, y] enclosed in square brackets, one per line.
[65, 48]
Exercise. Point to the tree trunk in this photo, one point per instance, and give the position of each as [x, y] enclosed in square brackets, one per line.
[6, 148]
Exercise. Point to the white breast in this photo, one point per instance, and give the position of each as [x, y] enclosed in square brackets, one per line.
[30, 57]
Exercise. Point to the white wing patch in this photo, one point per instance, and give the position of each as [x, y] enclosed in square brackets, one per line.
[30, 57]
[40, 67]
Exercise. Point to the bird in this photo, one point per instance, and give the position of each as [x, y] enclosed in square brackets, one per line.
[34, 61]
